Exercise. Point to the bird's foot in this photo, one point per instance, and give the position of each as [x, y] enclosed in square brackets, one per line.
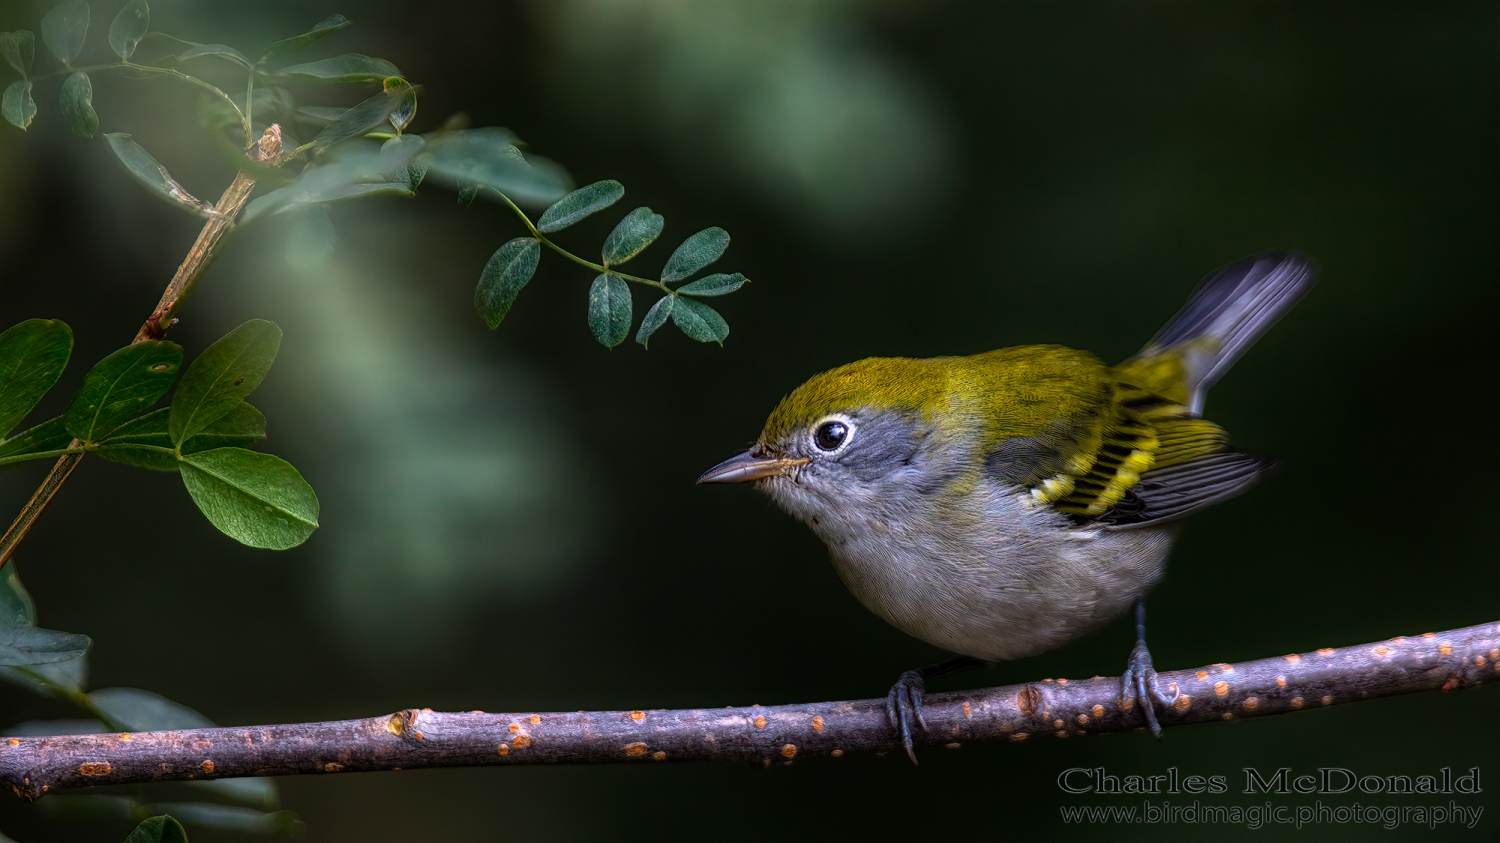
[903, 707]
[1139, 684]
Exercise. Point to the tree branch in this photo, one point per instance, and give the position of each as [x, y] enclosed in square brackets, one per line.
[266, 150]
[766, 734]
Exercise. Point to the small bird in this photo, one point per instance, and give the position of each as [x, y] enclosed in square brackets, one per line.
[1003, 504]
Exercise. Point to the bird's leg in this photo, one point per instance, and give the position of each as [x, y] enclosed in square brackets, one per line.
[1139, 680]
[904, 703]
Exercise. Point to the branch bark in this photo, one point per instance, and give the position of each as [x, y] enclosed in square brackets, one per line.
[266, 150]
[760, 734]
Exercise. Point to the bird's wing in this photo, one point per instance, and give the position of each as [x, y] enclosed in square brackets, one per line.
[1130, 459]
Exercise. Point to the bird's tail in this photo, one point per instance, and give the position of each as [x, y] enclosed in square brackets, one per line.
[1226, 314]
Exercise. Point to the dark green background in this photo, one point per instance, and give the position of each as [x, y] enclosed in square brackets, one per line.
[510, 521]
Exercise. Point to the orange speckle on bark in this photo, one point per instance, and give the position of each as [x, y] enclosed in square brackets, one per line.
[1445, 648]
[968, 712]
[1325, 651]
[207, 766]
[837, 753]
[635, 750]
[1293, 658]
[1221, 688]
[1296, 702]
[521, 741]
[1183, 702]
[1202, 674]
[760, 722]
[659, 755]
[818, 723]
[1098, 710]
[535, 720]
[1251, 703]
[14, 742]
[92, 768]
[789, 750]
[637, 716]
[515, 727]
[504, 749]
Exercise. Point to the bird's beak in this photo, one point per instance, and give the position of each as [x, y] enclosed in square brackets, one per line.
[751, 465]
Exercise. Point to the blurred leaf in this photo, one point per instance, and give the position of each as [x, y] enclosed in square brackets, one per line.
[721, 284]
[406, 107]
[45, 728]
[362, 118]
[198, 51]
[21, 646]
[467, 193]
[21, 643]
[159, 48]
[77, 101]
[47, 436]
[33, 355]
[508, 270]
[63, 29]
[274, 99]
[121, 385]
[323, 29]
[638, 230]
[17, 610]
[222, 376]
[257, 792]
[320, 115]
[696, 252]
[18, 48]
[350, 170]
[231, 817]
[129, 28]
[17, 106]
[489, 158]
[148, 171]
[146, 443]
[655, 318]
[579, 204]
[350, 67]
[396, 156]
[700, 321]
[609, 309]
[143, 711]
[95, 807]
[162, 829]
[254, 498]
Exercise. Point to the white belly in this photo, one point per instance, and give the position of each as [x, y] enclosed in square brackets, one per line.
[1025, 581]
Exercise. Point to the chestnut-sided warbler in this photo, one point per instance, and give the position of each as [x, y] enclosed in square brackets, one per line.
[1004, 504]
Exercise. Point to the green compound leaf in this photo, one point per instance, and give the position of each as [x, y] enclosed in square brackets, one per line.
[406, 109]
[362, 118]
[21, 643]
[350, 67]
[609, 310]
[17, 106]
[488, 157]
[721, 284]
[638, 230]
[254, 498]
[50, 435]
[700, 321]
[696, 252]
[63, 29]
[77, 100]
[33, 355]
[18, 48]
[508, 270]
[655, 318]
[121, 385]
[222, 376]
[579, 204]
[148, 171]
[198, 51]
[129, 28]
[323, 29]
[147, 443]
[162, 829]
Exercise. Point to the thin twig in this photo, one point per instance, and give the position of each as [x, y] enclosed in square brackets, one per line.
[759, 734]
[267, 150]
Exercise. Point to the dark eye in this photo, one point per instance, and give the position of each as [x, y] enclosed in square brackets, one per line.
[831, 435]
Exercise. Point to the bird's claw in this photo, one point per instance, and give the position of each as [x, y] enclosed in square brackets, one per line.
[1139, 683]
[904, 705]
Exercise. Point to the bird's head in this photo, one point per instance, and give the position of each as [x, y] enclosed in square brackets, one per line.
[842, 446]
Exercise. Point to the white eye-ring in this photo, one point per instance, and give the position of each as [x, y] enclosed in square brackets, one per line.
[832, 433]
